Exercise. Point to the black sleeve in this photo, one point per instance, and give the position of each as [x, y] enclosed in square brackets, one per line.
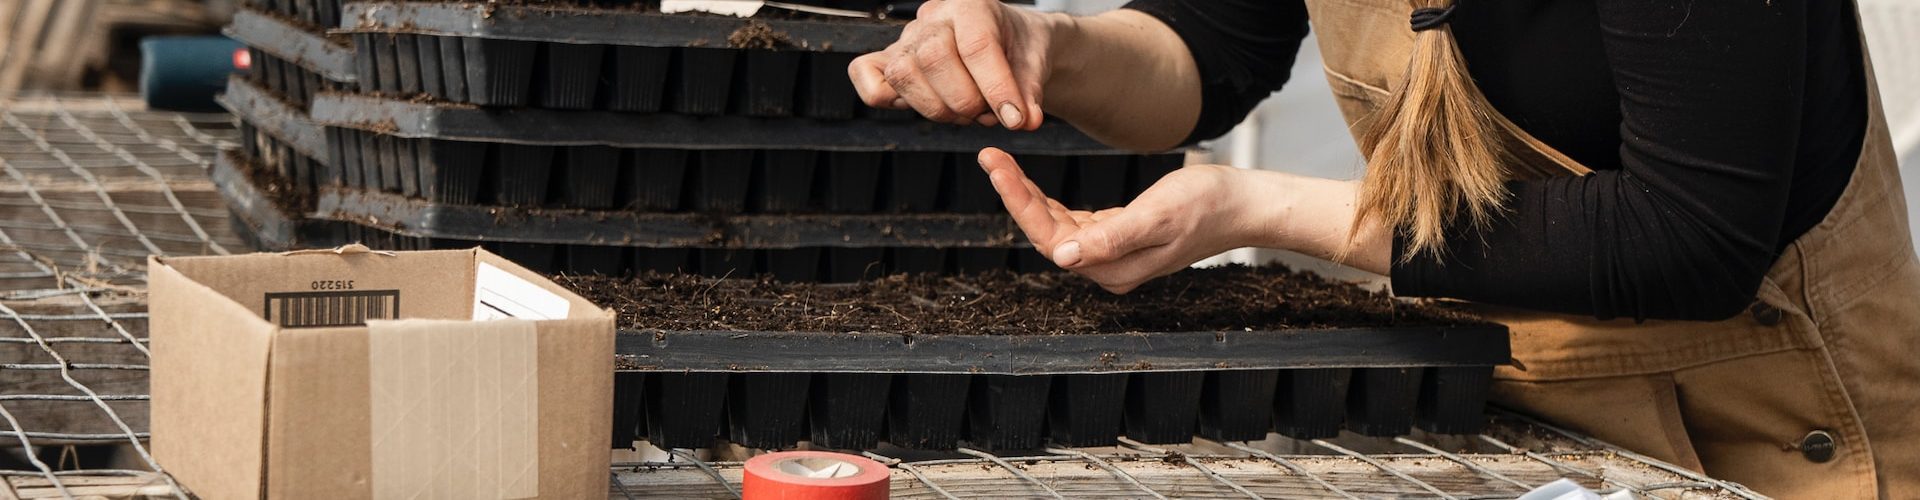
[1711, 100]
[1244, 50]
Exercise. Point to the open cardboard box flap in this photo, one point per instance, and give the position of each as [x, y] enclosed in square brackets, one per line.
[274, 374]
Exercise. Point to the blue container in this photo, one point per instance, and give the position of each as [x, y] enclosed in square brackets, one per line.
[183, 73]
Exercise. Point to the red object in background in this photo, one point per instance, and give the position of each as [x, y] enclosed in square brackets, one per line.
[836, 476]
[242, 59]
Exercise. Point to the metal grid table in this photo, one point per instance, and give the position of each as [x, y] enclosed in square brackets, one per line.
[1512, 457]
[92, 185]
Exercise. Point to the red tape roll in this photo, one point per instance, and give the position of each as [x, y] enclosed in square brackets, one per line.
[815, 475]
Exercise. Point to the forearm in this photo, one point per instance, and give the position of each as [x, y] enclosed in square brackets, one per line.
[1125, 79]
[1309, 215]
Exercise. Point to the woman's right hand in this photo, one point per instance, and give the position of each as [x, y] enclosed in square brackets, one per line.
[964, 62]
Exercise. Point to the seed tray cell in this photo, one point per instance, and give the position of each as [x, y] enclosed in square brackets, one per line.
[1238, 405]
[629, 399]
[1008, 413]
[1162, 407]
[684, 410]
[466, 122]
[843, 411]
[926, 411]
[1087, 410]
[767, 410]
[1001, 413]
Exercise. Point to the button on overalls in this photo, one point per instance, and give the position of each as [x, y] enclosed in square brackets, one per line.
[1813, 394]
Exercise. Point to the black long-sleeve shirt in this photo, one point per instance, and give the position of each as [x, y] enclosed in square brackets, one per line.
[1719, 131]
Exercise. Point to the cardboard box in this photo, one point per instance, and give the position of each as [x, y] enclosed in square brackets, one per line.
[351, 373]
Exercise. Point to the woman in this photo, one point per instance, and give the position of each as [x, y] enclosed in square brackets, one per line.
[1687, 211]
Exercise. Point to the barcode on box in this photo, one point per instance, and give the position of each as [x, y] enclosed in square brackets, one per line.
[333, 308]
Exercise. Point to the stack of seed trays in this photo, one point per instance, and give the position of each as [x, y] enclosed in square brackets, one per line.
[596, 138]
[1012, 362]
[292, 59]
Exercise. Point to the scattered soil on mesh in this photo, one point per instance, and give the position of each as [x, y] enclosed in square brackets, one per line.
[1233, 298]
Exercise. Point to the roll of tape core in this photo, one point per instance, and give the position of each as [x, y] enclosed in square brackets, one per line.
[815, 475]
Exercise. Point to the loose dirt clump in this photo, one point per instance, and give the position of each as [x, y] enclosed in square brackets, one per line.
[758, 35]
[1234, 298]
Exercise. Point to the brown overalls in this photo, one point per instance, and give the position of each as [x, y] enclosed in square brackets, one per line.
[1814, 394]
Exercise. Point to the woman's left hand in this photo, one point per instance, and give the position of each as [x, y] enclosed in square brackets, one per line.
[1191, 214]
[1186, 216]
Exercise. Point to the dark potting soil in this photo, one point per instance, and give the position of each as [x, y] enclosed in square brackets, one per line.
[758, 35]
[1003, 303]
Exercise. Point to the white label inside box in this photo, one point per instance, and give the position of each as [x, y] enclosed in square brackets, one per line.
[498, 294]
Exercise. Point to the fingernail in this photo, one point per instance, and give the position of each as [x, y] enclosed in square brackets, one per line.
[1067, 255]
[1010, 115]
[899, 103]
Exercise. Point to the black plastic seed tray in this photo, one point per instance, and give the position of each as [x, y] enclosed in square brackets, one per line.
[617, 59]
[547, 127]
[278, 136]
[1021, 392]
[305, 46]
[721, 181]
[268, 111]
[1397, 347]
[308, 14]
[410, 173]
[410, 217]
[285, 222]
[288, 81]
[611, 26]
[265, 221]
[572, 76]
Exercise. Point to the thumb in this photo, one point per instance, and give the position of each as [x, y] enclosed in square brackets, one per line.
[1112, 239]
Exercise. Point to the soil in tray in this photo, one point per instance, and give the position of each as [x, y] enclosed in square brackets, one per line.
[1213, 299]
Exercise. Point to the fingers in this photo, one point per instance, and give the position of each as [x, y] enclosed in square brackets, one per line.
[1112, 238]
[1126, 274]
[977, 38]
[1073, 239]
[949, 78]
[903, 73]
[1029, 69]
[870, 81]
[961, 62]
[1043, 220]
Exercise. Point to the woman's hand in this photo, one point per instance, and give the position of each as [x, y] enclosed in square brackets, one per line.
[1181, 219]
[964, 62]
[1191, 214]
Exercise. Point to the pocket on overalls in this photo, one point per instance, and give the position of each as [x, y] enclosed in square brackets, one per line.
[1780, 423]
[1636, 412]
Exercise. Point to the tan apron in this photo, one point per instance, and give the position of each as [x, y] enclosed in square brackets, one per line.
[1813, 394]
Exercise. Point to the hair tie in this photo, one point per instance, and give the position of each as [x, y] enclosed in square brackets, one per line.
[1432, 17]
